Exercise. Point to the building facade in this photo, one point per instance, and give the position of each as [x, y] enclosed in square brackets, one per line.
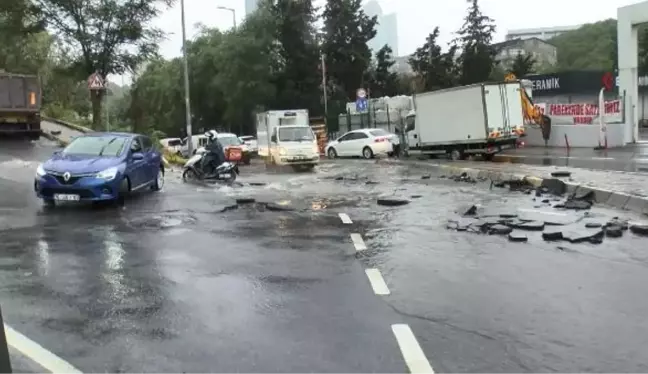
[251, 6]
[543, 33]
[386, 29]
[544, 53]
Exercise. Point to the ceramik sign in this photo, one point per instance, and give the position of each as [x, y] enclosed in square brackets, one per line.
[575, 82]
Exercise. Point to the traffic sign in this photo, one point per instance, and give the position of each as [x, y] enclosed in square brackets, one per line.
[95, 82]
[361, 104]
[361, 93]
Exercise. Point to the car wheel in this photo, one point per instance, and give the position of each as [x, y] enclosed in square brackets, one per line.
[159, 180]
[367, 153]
[124, 190]
[332, 153]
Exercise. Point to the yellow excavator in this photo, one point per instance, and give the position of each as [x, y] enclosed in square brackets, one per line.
[532, 115]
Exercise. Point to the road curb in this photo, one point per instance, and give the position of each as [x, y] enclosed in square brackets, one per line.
[69, 125]
[614, 199]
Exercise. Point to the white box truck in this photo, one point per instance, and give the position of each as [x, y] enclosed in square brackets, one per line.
[479, 119]
[285, 138]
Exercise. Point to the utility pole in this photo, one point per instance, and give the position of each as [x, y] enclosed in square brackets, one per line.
[323, 62]
[186, 79]
[234, 26]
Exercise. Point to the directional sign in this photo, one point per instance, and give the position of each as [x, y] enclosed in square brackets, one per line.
[361, 104]
[361, 100]
[95, 82]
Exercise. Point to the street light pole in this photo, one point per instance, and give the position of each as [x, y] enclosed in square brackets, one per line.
[234, 26]
[185, 59]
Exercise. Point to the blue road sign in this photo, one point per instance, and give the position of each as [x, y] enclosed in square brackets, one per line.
[361, 104]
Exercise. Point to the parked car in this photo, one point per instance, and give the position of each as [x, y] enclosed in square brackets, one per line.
[100, 167]
[365, 143]
[250, 141]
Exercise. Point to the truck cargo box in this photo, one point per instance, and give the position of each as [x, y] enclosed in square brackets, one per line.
[20, 104]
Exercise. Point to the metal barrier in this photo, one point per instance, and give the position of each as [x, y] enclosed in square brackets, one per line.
[5, 362]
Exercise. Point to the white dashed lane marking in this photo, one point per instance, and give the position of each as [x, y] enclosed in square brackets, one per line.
[37, 353]
[377, 282]
[358, 243]
[345, 218]
[411, 350]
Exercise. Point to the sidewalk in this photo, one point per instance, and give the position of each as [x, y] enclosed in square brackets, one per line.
[631, 158]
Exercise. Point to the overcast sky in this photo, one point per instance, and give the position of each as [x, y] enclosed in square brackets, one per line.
[416, 18]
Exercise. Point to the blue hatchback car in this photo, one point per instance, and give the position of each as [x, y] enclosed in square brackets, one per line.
[100, 167]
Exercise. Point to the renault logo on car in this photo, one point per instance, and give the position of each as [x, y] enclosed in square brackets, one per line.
[66, 176]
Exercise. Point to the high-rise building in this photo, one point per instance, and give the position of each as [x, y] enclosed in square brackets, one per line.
[386, 29]
[543, 33]
[250, 6]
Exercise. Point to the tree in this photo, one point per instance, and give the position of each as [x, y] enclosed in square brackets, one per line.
[107, 37]
[347, 29]
[477, 54]
[384, 80]
[523, 64]
[434, 68]
[296, 79]
[590, 47]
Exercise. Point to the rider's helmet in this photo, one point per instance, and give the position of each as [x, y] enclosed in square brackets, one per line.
[211, 135]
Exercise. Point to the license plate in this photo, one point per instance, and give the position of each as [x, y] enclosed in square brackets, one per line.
[66, 197]
[226, 175]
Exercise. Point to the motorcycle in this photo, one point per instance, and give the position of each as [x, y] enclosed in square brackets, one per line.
[194, 171]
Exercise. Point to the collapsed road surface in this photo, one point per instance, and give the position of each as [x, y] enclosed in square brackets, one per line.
[307, 273]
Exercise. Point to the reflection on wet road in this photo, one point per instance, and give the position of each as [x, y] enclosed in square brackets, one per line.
[189, 281]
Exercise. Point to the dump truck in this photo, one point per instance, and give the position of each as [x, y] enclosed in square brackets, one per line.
[20, 104]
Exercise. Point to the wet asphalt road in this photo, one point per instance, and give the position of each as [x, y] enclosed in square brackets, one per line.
[176, 282]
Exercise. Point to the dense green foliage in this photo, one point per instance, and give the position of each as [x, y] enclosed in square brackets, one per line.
[275, 59]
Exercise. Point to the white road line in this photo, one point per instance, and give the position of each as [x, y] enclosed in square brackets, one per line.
[377, 282]
[358, 243]
[37, 353]
[411, 350]
[345, 218]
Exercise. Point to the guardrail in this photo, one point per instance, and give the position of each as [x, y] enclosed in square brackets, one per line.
[5, 361]
[67, 124]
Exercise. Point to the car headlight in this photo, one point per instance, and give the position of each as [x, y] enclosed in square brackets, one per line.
[282, 151]
[40, 171]
[108, 174]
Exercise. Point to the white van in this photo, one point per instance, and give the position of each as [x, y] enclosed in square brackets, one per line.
[285, 138]
[198, 141]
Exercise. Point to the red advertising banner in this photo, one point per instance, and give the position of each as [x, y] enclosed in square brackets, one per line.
[585, 113]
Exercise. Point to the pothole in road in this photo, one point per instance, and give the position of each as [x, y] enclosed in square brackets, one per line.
[161, 221]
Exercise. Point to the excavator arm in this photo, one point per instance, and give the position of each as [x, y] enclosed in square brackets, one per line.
[532, 114]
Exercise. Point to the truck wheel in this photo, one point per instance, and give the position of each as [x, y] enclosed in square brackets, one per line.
[367, 153]
[456, 154]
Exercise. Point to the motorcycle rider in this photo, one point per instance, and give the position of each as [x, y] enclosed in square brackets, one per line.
[214, 156]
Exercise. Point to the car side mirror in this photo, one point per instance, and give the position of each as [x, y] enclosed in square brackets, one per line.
[273, 138]
[137, 156]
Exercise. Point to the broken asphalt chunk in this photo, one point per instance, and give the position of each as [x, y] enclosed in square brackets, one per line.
[613, 231]
[245, 200]
[577, 204]
[561, 173]
[467, 210]
[385, 201]
[584, 235]
[278, 208]
[533, 225]
[639, 229]
[517, 237]
[499, 230]
[551, 235]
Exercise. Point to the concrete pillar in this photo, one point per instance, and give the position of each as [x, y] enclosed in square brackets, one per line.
[628, 18]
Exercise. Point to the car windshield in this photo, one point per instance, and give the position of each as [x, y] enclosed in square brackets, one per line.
[379, 132]
[175, 142]
[96, 146]
[295, 134]
[247, 138]
[229, 140]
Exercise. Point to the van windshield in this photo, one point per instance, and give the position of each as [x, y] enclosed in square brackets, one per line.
[295, 134]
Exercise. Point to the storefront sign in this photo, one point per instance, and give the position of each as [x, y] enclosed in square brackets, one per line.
[584, 113]
[546, 84]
